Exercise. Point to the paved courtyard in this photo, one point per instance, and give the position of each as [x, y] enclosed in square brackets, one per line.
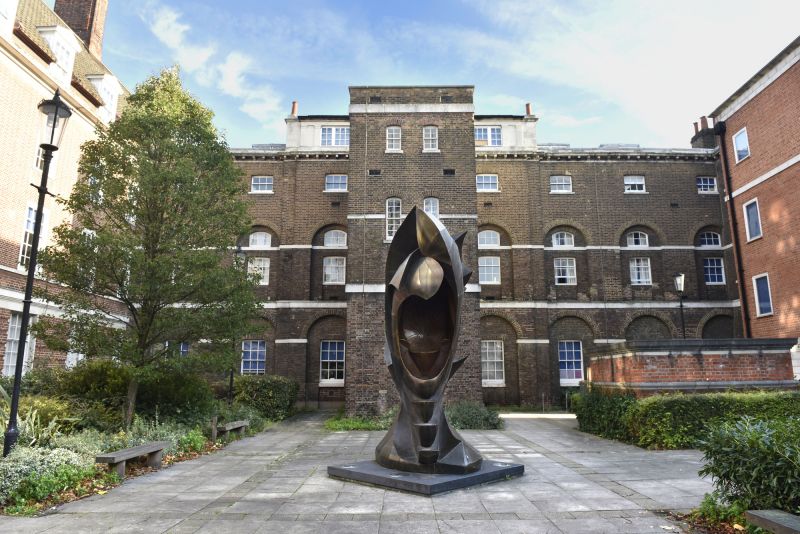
[277, 482]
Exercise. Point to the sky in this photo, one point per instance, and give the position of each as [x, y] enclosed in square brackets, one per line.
[610, 71]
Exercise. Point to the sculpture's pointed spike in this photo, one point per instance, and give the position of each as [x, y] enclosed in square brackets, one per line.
[467, 274]
[459, 239]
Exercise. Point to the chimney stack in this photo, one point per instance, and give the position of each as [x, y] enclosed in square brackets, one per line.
[87, 18]
[696, 129]
[703, 122]
[528, 110]
[294, 108]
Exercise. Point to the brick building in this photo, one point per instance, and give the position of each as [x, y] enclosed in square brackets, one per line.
[40, 52]
[573, 249]
[758, 129]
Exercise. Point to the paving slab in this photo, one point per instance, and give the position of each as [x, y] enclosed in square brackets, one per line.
[277, 482]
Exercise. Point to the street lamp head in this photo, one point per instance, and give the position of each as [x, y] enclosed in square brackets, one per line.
[56, 113]
[679, 279]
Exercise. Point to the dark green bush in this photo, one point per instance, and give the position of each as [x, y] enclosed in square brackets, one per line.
[602, 412]
[176, 394]
[469, 415]
[273, 396]
[241, 412]
[755, 464]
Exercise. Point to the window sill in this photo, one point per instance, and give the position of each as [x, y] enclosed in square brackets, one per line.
[642, 285]
[431, 151]
[263, 285]
[567, 285]
[715, 283]
[333, 283]
[261, 192]
[751, 239]
[489, 283]
[487, 190]
[708, 192]
[760, 315]
[570, 381]
[562, 192]
[493, 383]
[334, 191]
[394, 151]
[636, 192]
[331, 383]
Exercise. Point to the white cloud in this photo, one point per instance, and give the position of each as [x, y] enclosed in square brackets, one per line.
[232, 76]
[662, 63]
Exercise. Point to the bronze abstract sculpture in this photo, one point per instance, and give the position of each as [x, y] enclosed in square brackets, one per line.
[425, 281]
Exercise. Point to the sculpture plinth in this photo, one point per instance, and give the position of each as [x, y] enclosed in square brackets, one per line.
[425, 282]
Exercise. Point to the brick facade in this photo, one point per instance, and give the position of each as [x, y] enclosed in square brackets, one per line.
[767, 107]
[527, 311]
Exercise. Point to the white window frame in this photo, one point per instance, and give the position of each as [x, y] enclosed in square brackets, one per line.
[484, 180]
[630, 181]
[769, 294]
[718, 239]
[335, 239]
[704, 188]
[332, 382]
[394, 139]
[489, 262]
[250, 351]
[561, 184]
[747, 143]
[633, 236]
[570, 381]
[334, 270]
[489, 347]
[483, 234]
[26, 244]
[335, 183]
[721, 267]
[430, 205]
[747, 220]
[489, 136]
[393, 220]
[568, 238]
[260, 266]
[268, 183]
[638, 265]
[430, 139]
[12, 345]
[336, 136]
[567, 266]
[259, 246]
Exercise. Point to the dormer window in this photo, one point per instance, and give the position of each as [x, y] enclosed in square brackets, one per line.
[109, 89]
[64, 45]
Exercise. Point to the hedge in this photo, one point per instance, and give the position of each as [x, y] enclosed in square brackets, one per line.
[273, 396]
[755, 464]
[675, 421]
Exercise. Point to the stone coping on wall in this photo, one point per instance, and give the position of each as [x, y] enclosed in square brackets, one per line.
[695, 346]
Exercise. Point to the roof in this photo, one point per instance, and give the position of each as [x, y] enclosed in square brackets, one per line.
[32, 14]
[324, 117]
[794, 45]
[411, 87]
[489, 117]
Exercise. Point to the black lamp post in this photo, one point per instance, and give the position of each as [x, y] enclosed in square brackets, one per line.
[679, 279]
[56, 114]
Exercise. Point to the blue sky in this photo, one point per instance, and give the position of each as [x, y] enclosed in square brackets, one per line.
[596, 72]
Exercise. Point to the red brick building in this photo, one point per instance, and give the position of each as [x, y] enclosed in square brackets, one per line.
[573, 249]
[758, 130]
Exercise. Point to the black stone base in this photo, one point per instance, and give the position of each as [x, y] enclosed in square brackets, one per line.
[371, 473]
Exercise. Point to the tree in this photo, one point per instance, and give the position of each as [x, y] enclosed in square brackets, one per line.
[147, 261]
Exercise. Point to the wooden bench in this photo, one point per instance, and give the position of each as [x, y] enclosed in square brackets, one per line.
[776, 521]
[238, 426]
[154, 451]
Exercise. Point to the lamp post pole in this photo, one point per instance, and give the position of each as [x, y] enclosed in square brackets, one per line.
[683, 322]
[680, 280]
[56, 112]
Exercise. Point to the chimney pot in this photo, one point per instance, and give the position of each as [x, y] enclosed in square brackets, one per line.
[704, 122]
[696, 129]
[294, 108]
[528, 109]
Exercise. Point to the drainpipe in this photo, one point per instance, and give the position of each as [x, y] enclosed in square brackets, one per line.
[719, 130]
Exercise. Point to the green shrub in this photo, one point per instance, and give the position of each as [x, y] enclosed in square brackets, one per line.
[273, 396]
[468, 415]
[680, 421]
[239, 411]
[39, 486]
[339, 422]
[178, 394]
[192, 441]
[24, 462]
[755, 463]
[601, 412]
[91, 442]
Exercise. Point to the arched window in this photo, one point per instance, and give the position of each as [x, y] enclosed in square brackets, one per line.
[637, 239]
[394, 216]
[260, 240]
[488, 238]
[431, 206]
[709, 239]
[563, 239]
[393, 135]
[335, 238]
